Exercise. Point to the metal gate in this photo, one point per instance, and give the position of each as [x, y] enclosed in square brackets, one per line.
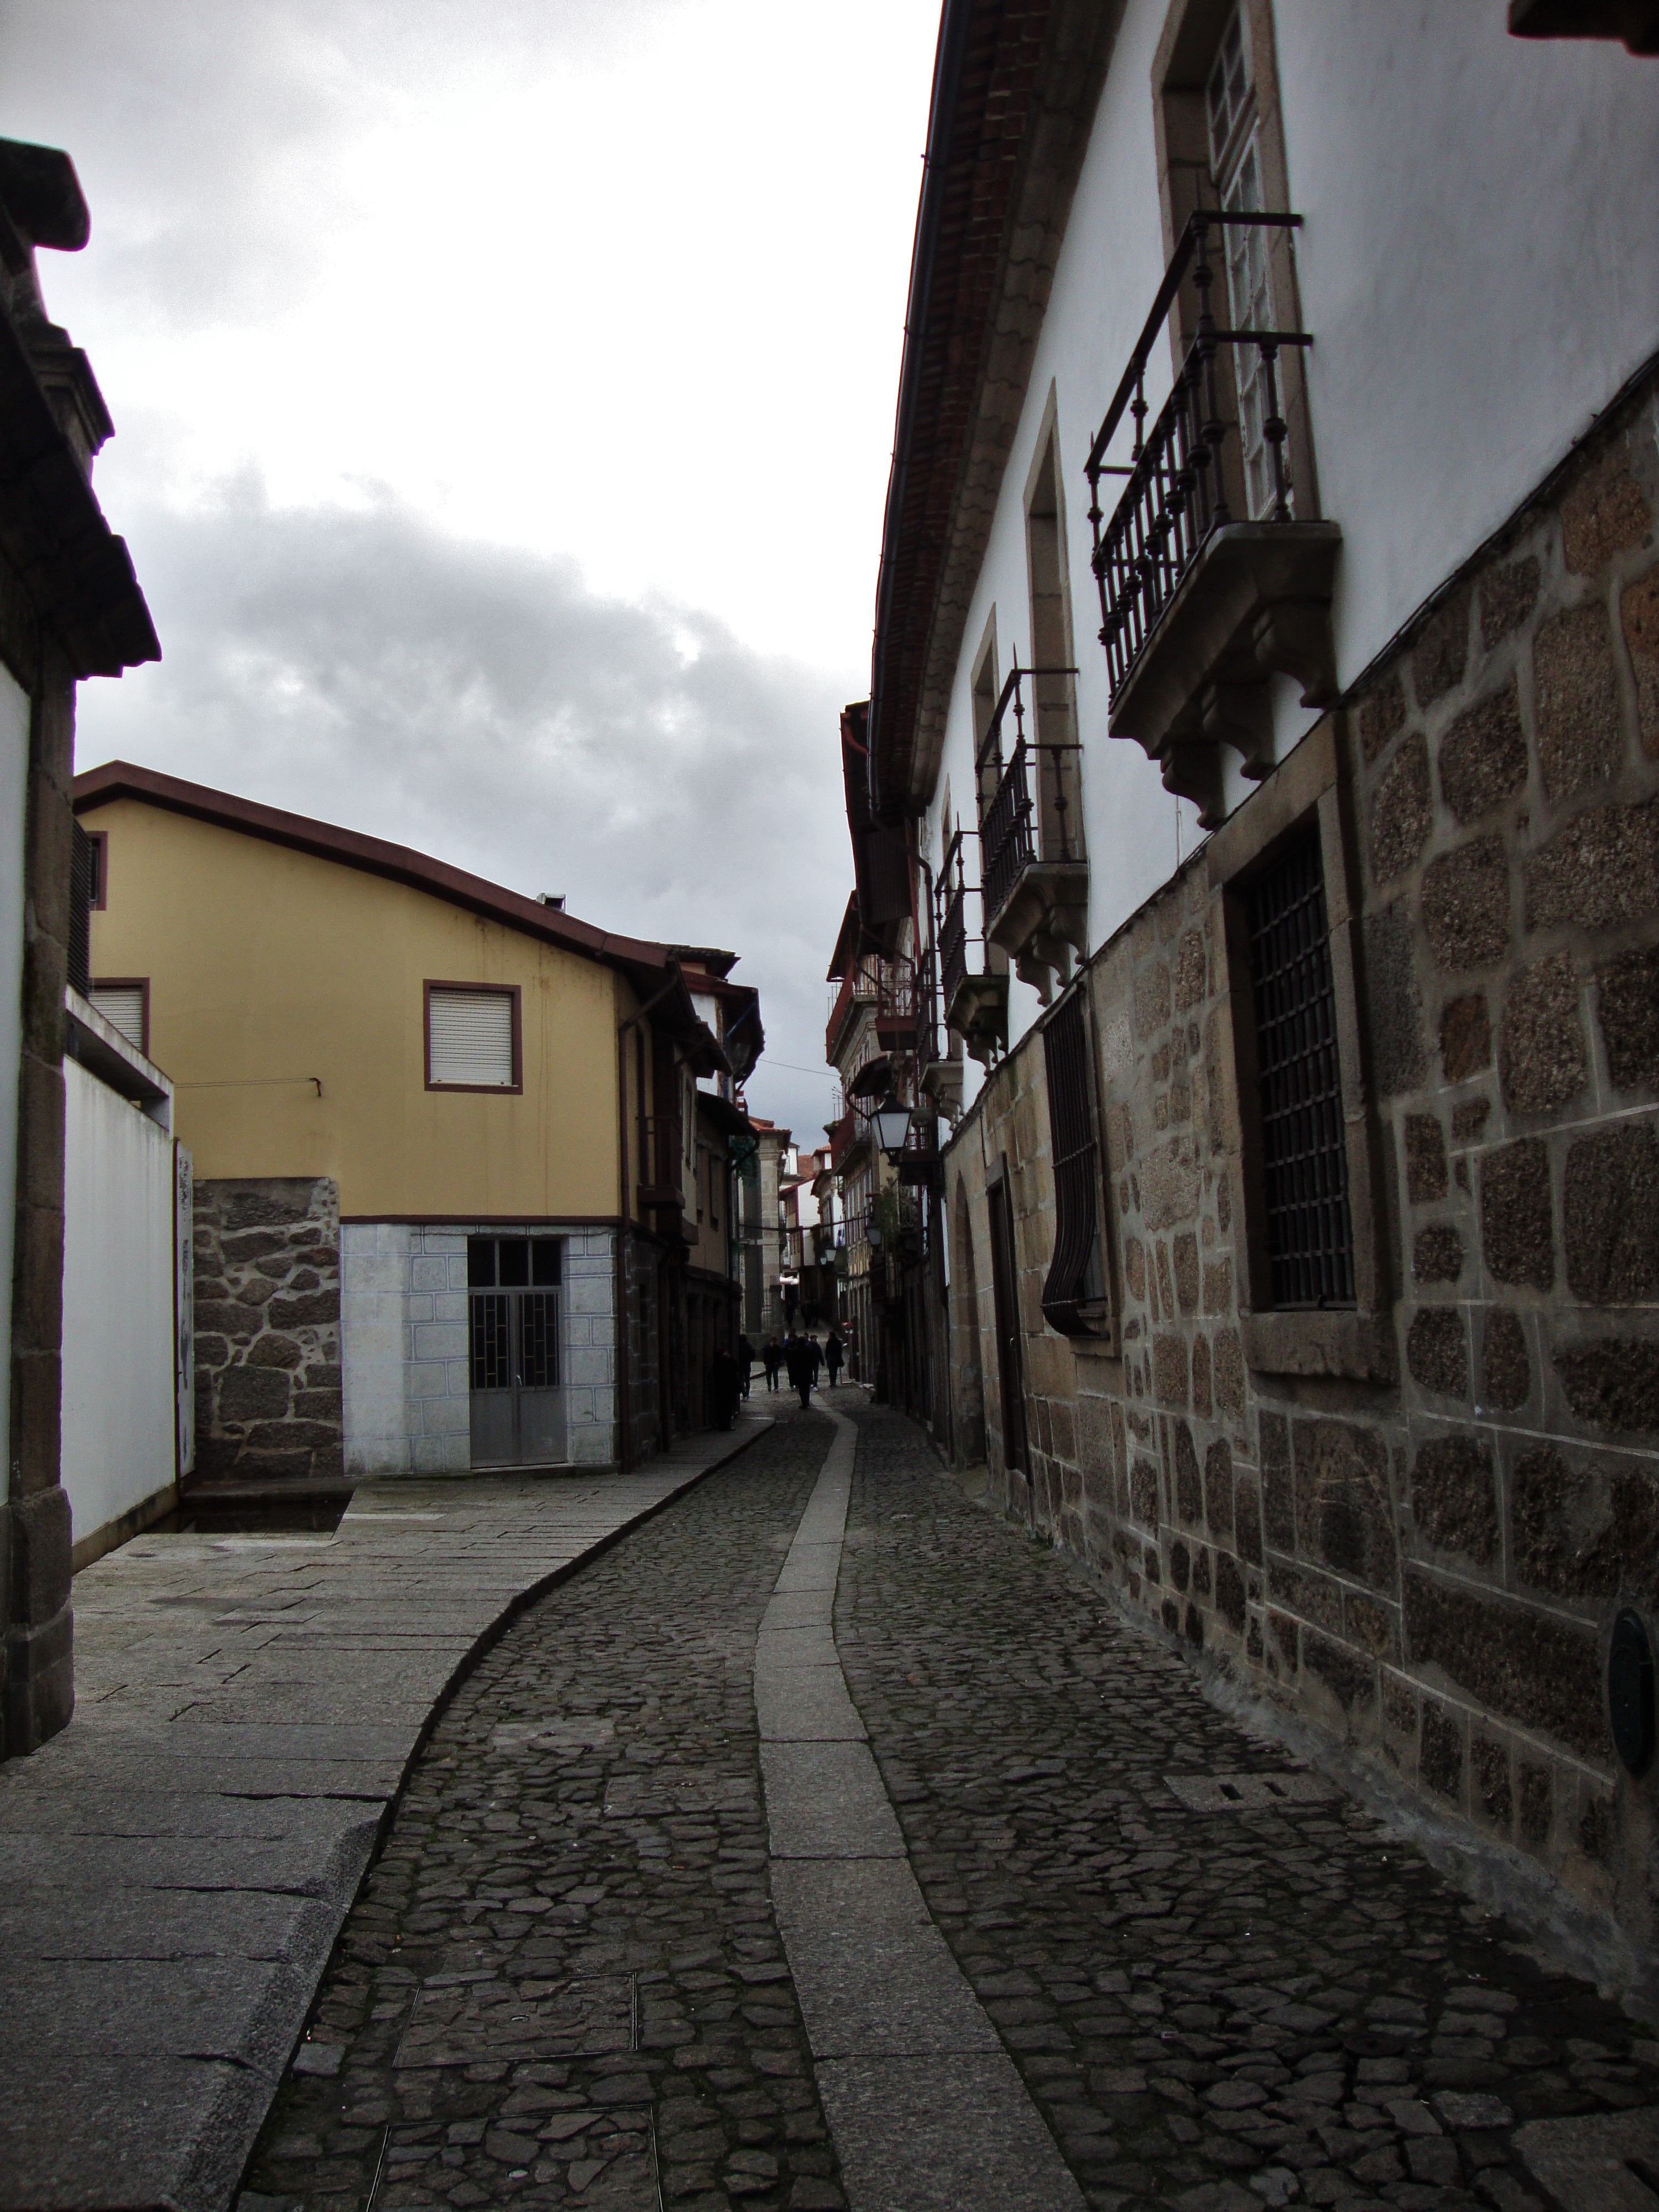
[517, 1382]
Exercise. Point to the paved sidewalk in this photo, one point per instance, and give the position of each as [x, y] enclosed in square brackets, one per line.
[175, 1866]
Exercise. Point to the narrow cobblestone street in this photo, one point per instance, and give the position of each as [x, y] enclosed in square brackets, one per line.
[1222, 1984]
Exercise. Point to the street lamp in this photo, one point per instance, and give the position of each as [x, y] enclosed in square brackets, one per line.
[892, 1120]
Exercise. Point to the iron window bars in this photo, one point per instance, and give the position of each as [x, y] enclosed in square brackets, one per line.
[1073, 1294]
[1013, 835]
[1304, 1162]
[514, 1311]
[1176, 494]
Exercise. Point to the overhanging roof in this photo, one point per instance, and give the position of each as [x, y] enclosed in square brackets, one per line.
[1015, 86]
[650, 968]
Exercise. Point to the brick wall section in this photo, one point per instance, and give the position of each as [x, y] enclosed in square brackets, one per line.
[1428, 1568]
[268, 1400]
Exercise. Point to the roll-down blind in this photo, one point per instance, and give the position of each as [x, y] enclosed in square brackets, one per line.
[470, 1037]
[122, 1005]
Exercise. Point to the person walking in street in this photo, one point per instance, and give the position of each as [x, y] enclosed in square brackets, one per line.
[745, 1362]
[800, 1357]
[833, 1352]
[722, 1389]
[772, 1360]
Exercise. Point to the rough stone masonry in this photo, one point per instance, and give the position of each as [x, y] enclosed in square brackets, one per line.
[268, 1395]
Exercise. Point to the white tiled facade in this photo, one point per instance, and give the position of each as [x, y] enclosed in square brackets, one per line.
[403, 1345]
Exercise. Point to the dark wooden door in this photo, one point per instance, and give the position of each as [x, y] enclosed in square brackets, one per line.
[1011, 1366]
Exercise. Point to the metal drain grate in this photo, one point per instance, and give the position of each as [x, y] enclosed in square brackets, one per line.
[1244, 1793]
[1607, 2163]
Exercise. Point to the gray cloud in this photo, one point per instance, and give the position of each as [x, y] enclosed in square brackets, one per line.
[206, 131]
[480, 703]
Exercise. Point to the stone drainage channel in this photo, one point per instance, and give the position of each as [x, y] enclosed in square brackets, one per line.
[926, 2108]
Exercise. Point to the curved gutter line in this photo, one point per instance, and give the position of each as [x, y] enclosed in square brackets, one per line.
[947, 78]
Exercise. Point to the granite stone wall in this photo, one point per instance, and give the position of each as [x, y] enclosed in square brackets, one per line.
[1426, 1560]
[268, 1399]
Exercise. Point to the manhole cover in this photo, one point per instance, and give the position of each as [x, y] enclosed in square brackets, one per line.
[479, 2022]
[1607, 2163]
[1240, 1793]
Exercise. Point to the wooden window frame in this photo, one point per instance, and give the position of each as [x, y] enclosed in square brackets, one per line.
[139, 983]
[1181, 69]
[99, 839]
[510, 991]
[1355, 1341]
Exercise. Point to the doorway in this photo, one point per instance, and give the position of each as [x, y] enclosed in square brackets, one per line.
[517, 1381]
[1011, 1365]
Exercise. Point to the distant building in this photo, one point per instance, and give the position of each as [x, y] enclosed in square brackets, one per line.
[70, 609]
[461, 1202]
[772, 1150]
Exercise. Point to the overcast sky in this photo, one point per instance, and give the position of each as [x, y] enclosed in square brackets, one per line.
[504, 392]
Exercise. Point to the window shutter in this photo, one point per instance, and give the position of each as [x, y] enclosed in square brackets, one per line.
[469, 1038]
[122, 1005]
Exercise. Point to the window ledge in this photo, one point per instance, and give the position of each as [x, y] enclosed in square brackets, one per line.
[1353, 1344]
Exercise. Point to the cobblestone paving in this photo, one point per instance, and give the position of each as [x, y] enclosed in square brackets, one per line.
[1212, 2009]
[562, 1982]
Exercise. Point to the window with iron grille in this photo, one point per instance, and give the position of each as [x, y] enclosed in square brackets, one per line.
[1304, 1165]
[1073, 1296]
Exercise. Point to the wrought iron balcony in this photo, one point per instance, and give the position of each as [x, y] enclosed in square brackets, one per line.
[1035, 878]
[888, 988]
[976, 998]
[1215, 573]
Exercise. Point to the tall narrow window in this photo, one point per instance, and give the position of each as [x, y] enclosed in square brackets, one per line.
[1235, 168]
[472, 1037]
[1304, 1166]
[1059, 813]
[1074, 1295]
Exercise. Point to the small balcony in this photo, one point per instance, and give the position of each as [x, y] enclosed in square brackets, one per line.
[1214, 571]
[849, 1137]
[888, 988]
[976, 998]
[1036, 877]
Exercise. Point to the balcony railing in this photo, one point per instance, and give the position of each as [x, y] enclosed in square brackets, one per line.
[1185, 474]
[889, 987]
[975, 999]
[1029, 813]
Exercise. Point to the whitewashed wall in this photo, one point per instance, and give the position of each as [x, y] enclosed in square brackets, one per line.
[119, 1256]
[13, 806]
[1480, 267]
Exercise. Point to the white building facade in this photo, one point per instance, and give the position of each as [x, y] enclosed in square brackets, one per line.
[1263, 753]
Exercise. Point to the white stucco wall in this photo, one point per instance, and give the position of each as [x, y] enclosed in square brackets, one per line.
[404, 1346]
[13, 807]
[119, 1252]
[1480, 268]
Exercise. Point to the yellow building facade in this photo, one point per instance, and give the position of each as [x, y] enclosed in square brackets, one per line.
[437, 1084]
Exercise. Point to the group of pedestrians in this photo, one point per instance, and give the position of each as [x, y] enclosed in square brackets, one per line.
[801, 1358]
